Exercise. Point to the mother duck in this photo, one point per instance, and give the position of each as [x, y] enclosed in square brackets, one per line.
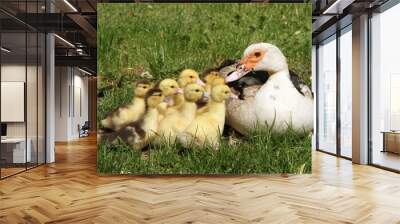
[283, 100]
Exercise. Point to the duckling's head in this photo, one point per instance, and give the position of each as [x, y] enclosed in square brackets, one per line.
[193, 92]
[189, 76]
[211, 76]
[220, 93]
[154, 97]
[142, 87]
[220, 80]
[169, 87]
[259, 57]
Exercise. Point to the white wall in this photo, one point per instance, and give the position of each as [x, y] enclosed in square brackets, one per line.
[71, 87]
[33, 127]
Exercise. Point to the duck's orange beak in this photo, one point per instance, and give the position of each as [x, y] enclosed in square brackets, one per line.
[246, 65]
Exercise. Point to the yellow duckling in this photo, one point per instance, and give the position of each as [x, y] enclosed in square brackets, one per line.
[147, 130]
[170, 90]
[131, 112]
[174, 123]
[187, 76]
[208, 126]
[212, 79]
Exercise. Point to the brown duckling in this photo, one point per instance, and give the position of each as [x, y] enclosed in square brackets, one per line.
[131, 112]
[138, 134]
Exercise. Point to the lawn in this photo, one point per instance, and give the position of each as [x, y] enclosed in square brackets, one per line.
[163, 39]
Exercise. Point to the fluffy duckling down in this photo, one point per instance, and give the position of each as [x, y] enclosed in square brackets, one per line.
[189, 76]
[186, 77]
[139, 134]
[174, 123]
[148, 127]
[131, 112]
[212, 78]
[170, 90]
[208, 126]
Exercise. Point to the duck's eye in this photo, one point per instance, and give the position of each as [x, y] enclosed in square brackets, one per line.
[257, 54]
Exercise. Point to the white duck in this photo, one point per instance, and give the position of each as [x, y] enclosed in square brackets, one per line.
[281, 101]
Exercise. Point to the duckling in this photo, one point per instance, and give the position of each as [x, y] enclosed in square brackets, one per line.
[174, 123]
[189, 76]
[213, 78]
[127, 134]
[208, 126]
[130, 112]
[186, 77]
[138, 134]
[170, 90]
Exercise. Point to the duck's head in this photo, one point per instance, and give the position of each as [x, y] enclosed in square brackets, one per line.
[259, 57]
[169, 87]
[142, 87]
[221, 92]
[189, 76]
[154, 97]
[193, 92]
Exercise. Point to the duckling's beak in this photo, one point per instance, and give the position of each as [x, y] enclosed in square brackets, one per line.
[200, 82]
[179, 90]
[169, 101]
[206, 95]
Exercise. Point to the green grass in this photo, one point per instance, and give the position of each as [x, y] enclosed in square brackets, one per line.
[166, 38]
[263, 152]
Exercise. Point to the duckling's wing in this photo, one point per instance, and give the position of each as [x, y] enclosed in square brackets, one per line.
[300, 85]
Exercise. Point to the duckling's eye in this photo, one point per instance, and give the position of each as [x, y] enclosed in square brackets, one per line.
[226, 92]
[257, 54]
[172, 87]
[144, 87]
[197, 90]
[191, 76]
